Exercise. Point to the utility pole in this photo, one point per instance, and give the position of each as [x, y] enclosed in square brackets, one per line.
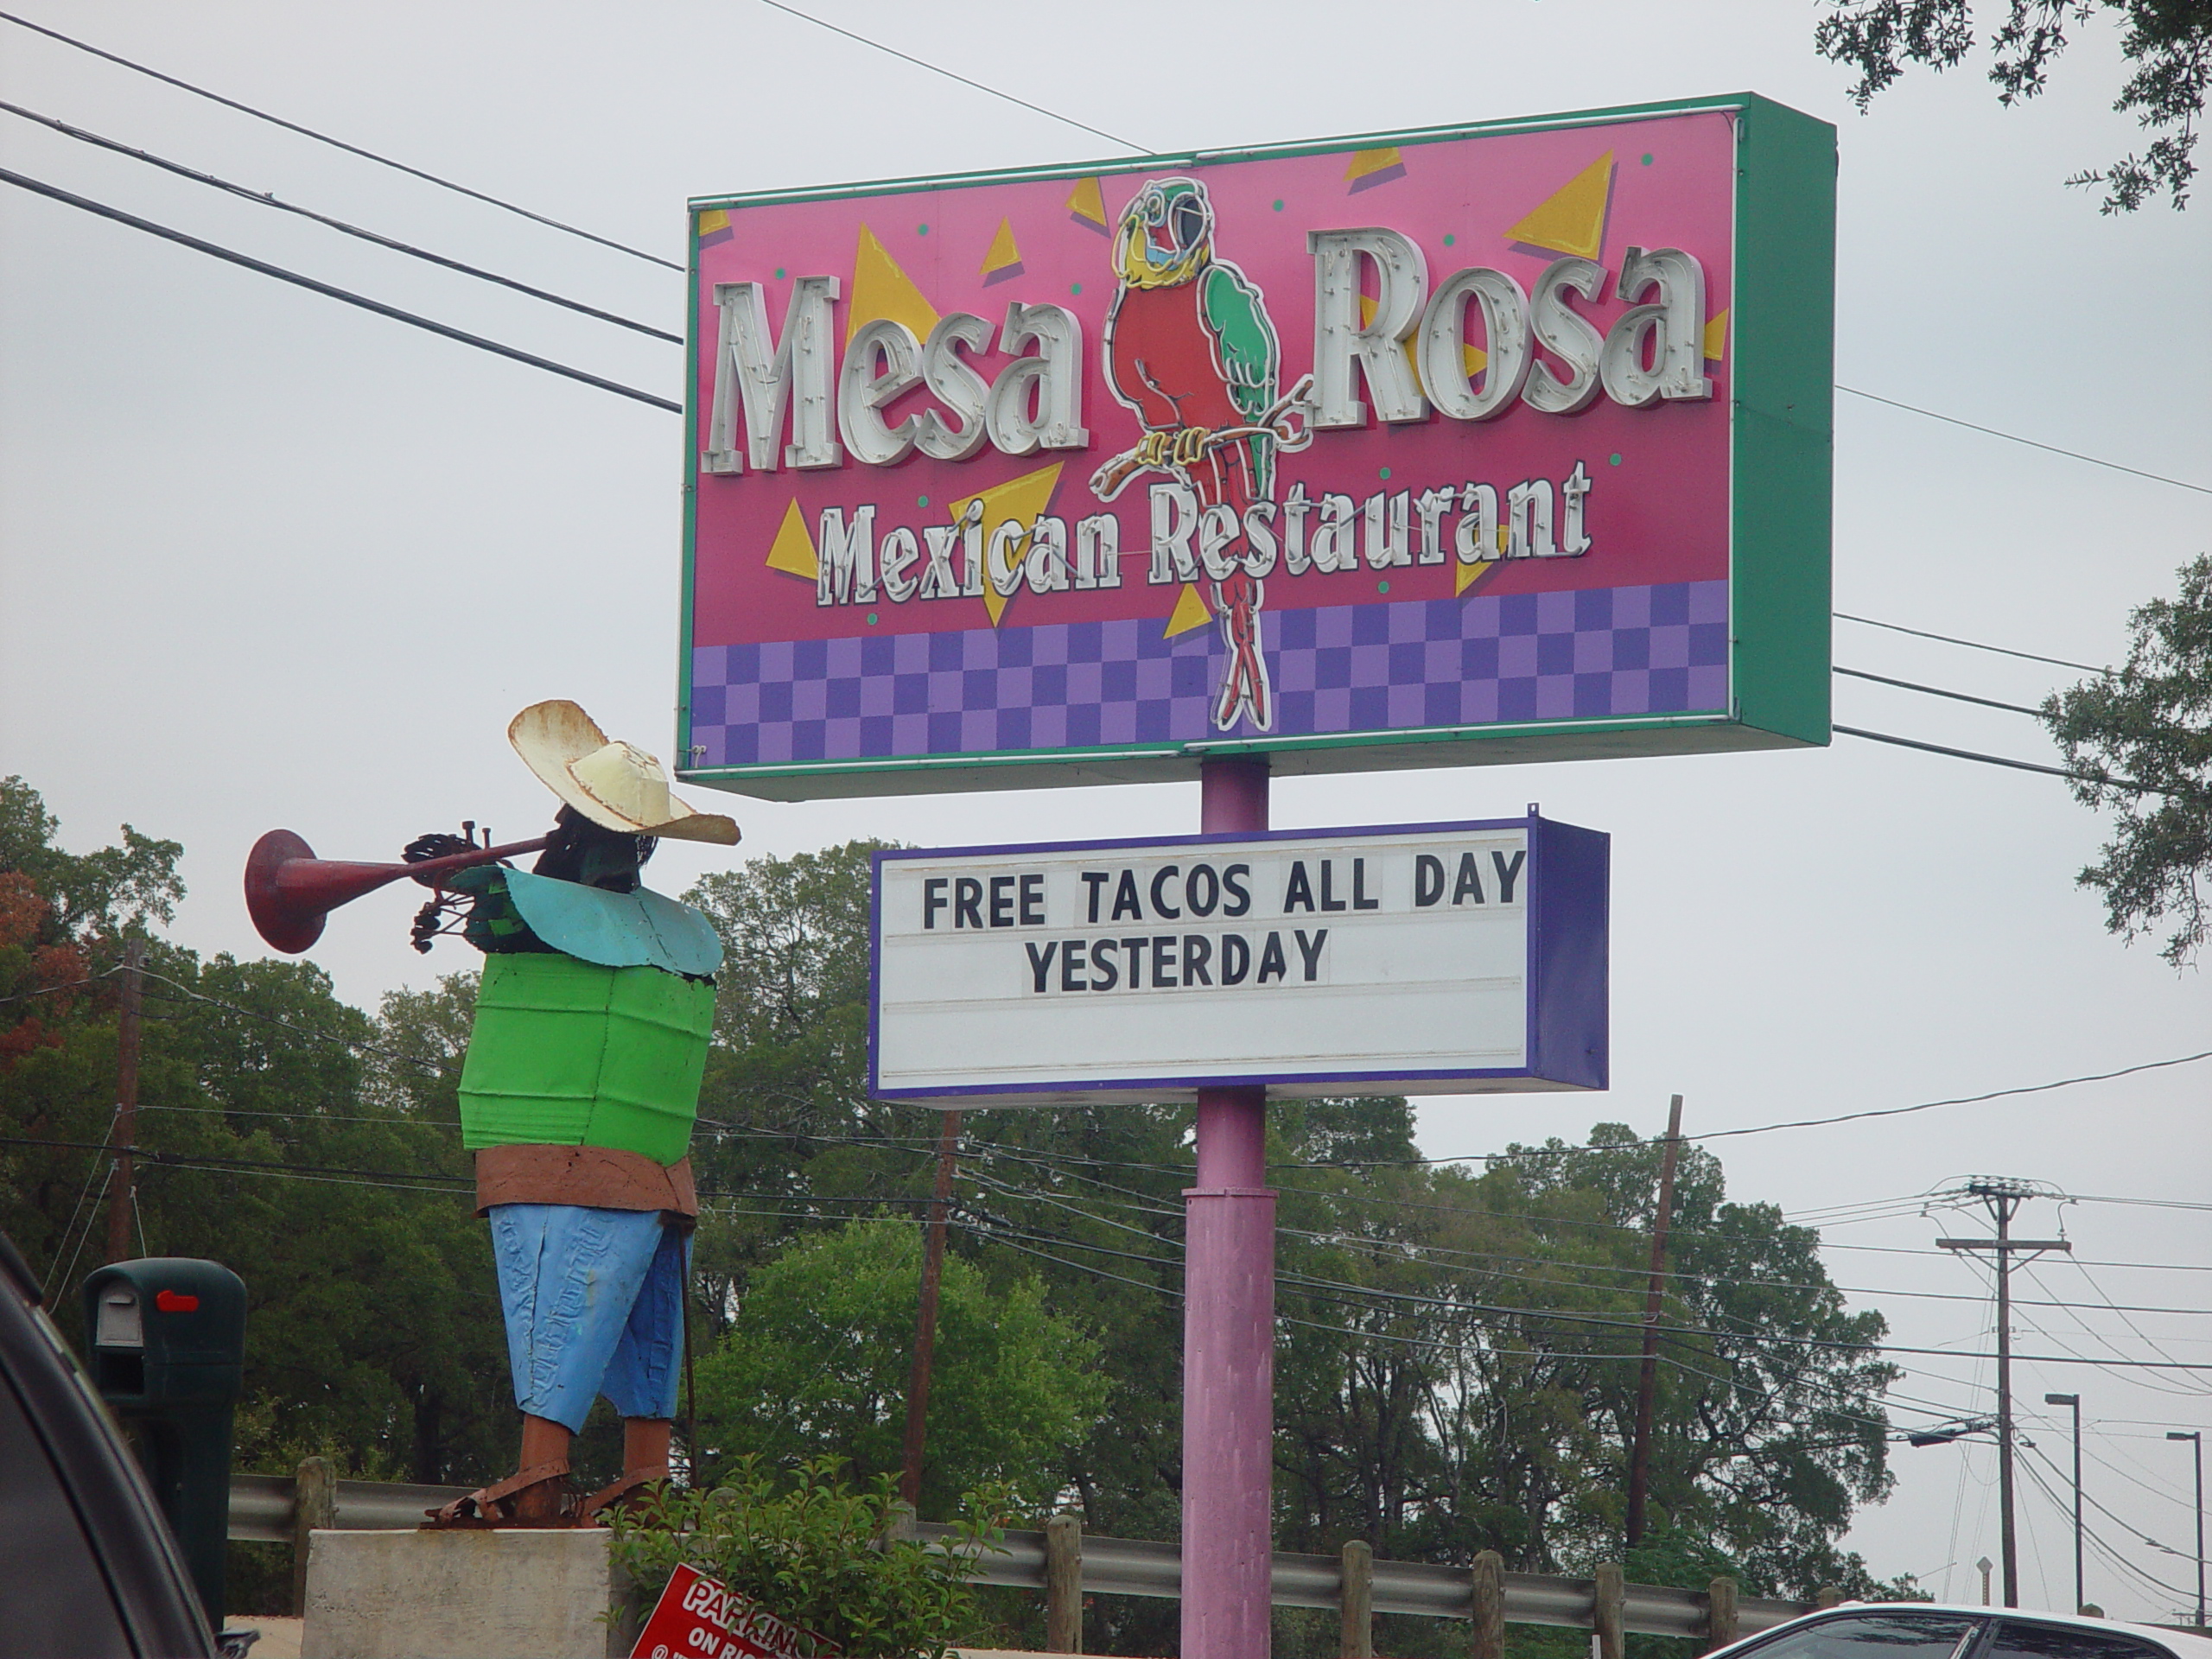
[1647, 1384]
[2004, 1199]
[2081, 1596]
[918, 1387]
[125, 1135]
[2197, 1437]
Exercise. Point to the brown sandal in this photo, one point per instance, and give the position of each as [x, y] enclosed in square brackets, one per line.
[495, 1505]
[629, 1487]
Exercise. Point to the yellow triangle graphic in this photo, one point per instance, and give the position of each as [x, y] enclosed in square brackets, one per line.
[1025, 498]
[793, 549]
[1571, 219]
[1716, 336]
[1189, 612]
[1088, 201]
[1465, 576]
[1366, 161]
[712, 220]
[881, 290]
[1003, 251]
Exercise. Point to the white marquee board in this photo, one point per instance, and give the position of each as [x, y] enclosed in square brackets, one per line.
[1456, 958]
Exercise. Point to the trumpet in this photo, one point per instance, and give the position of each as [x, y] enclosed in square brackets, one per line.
[290, 893]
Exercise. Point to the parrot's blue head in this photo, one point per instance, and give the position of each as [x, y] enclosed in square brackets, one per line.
[1165, 235]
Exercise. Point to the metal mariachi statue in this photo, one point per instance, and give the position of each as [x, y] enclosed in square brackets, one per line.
[577, 1098]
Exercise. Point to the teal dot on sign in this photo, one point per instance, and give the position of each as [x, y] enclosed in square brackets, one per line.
[923, 500]
[1384, 586]
[779, 273]
[1278, 206]
[1385, 473]
[1617, 461]
[1075, 288]
[1449, 238]
[1647, 161]
[871, 619]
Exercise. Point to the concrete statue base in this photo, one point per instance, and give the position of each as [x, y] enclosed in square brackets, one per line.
[505, 1593]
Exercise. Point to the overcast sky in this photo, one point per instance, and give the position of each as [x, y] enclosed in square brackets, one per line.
[267, 559]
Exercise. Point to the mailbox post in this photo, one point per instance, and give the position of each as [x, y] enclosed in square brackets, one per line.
[168, 1338]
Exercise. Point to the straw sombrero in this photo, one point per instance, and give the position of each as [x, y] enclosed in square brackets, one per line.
[616, 786]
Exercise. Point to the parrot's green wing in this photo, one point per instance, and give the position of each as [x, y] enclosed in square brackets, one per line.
[1245, 351]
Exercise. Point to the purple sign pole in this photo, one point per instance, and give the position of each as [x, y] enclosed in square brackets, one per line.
[1228, 1282]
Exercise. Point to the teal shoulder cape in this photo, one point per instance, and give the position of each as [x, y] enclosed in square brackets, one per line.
[615, 930]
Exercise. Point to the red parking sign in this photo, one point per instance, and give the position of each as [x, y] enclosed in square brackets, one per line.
[698, 1618]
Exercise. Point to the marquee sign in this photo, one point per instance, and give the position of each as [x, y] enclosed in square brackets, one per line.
[1463, 958]
[1498, 443]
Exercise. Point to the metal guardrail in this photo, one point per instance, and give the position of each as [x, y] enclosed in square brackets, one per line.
[262, 1506]
[261, 1510]
[1128, 1567]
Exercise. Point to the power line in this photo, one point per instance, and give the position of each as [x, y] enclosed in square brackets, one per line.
[1938, 691]
[428, 1067]
[1144, 1204]
[2097, 779]
[938, 69]
[2014, 437]
[49, 990]
[328, 292]
[1399, 1250]
[264, 198]
[335, 144]
[1971, 645]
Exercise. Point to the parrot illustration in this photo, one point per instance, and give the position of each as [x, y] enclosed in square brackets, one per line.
[1189, 348]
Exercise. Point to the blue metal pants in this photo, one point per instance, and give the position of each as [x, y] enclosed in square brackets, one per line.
[593, 1301]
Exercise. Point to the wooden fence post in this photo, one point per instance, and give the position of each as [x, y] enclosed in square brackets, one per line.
[1828, 1596]
[1721, 1617]
[315, 1504]
[1606, 1616]
[1490, 1606]
[1063, 1583]
[1356, 1601]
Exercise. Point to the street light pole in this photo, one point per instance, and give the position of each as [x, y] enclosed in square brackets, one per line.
[2195, 1437]
[2081, 1596]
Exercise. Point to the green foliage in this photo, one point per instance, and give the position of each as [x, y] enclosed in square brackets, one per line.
[279, 1142]
[818, 1364]
[819, 1553]
[2149, 728]
[2167, 43]
[1462, 1372]
[102, 893]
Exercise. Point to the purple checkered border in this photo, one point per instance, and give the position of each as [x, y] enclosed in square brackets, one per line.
[1595, 653]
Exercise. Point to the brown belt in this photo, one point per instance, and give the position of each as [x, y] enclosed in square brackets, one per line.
[598, 1178]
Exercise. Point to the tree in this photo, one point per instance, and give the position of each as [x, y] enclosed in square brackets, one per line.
[2139, 741]
[2167, 42]
[1459, 1368]
[817, 1365]
[310, 1148]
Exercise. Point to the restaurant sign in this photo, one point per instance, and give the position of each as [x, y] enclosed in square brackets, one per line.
[1504, 442]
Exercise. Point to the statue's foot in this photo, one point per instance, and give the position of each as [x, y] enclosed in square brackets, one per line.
[535, 1497]
[620, 1494]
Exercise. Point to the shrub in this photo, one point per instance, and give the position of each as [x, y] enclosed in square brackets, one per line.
[816, 1552]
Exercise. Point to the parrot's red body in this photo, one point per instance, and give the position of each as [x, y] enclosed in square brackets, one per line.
[1189, 348]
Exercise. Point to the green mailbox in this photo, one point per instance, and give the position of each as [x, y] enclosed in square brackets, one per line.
[168, 1339]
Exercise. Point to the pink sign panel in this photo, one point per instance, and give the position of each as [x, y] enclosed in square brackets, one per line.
[1417, 449]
